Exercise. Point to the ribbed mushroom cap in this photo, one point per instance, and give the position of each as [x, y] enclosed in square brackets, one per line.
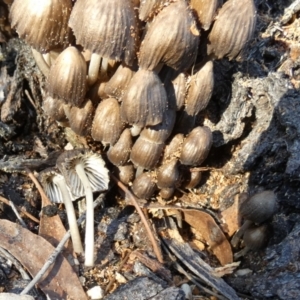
[206, 11]
[94, 167]
[172, 39]
[144, 186]
[107, 125]
[260, 207]
[148, 7]
[168, 174]
[80, 118]
[43, 24]
[54, 108]
[145, 100]
[67, 77]
[51, 189]
[120, 152]
[196, 146]
[200, 89]
[257, 237]
[233, 28]
[108, 28]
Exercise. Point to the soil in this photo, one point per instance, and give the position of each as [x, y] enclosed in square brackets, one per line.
[254, 116]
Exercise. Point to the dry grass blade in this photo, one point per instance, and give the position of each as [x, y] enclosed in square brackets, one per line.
[156, 247]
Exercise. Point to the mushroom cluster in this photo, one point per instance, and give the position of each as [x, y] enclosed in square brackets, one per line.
[134, 76]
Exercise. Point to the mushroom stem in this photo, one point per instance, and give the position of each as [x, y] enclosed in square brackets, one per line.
[89, 226]
[77, 245]
[104, 67]
[94, 67]
[40, 61]
[238, 235]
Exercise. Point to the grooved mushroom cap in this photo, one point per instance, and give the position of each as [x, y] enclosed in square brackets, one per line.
[106, 27]
[200, 90]
[260, 207]
[196, 146]
[233, 28]
[94, 167]
[107, 125]
[145, 100]
[67, 77]
[148, 8]
[206, 11]
[144, 186]
[51, 189]
[43, 24]
[172, 38]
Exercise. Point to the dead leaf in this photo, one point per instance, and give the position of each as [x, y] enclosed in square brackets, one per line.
[211, 233]
[231, 217]
[33, 251]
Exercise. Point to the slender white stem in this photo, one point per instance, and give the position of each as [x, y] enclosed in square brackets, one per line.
[39, 59]
[77, 245]
[94, 68]
[89, 225]
[104, 67]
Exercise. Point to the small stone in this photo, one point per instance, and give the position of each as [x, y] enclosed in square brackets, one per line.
[95, 292]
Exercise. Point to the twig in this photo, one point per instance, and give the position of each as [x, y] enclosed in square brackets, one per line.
[44, 197]
[17, 214]
[56, 252]
[156, 248]
[27, 214]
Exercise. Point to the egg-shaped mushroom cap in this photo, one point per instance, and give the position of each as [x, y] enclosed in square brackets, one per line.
[93, 165]
[260, 207]
[43, 24]
[233, 28]
[145, 100]
[172, 38]
[67, 77]
[108, 28]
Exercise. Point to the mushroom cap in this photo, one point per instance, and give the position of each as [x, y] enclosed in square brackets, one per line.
[43, 24]
[145, 100]
[172, 38]
[93, 165]
[67, 77]
[233, 28]
[108, 28]
[51, 189]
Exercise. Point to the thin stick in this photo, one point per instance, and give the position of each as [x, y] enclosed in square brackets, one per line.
[27, 214]
[156, 248]
[17, 214]
[57, 250]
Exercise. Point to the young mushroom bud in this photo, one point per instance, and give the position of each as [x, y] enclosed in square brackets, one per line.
[56, 189]
[191, 179]
[107, 125]
[125, 173]
[174, 148]
[119, 82]
[200, 89]
[145, 153]
[144, 186]
[145, 100]
[260, 207]
[80, 118]
[172, 38]
[233, 29]
[206, 11]
[167, 193]
[168, 174]
[67, 77]
[108, 29]
[84, 173]
[159, 133]
[119, 153]
[196, 146]
[256, 209]
[54, 108]
[255, 238]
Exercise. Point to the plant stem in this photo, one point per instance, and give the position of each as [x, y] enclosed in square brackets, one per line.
[89, 227]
